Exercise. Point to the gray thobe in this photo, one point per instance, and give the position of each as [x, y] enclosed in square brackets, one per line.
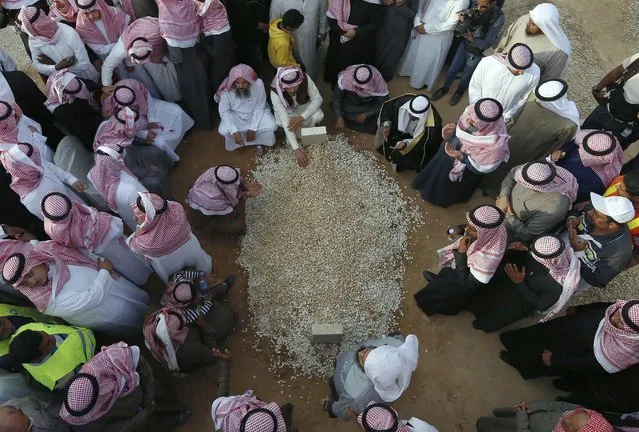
[44, 415]
[393, 35]
[536, 133]
[543, 418]
[354, 388]
[6, 62]
[535, 213]
[305, 47]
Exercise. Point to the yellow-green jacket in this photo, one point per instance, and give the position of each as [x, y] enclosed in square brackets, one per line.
[7, 310]
[280, 46]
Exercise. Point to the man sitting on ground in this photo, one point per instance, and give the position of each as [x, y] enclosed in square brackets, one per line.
[297, 104]
[246, 413]
[245, 117]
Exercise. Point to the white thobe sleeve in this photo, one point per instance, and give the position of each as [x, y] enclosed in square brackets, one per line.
[260, 105]
[474, 88]
[282, 117]
[226, 114]
[81, 56]
[86, 299]
[450, 23]
[417, 20]
[523, 97]
[316, 100]
[113, 60]
[277, 9]
[323, 21]
[64, 176]
[42, 68]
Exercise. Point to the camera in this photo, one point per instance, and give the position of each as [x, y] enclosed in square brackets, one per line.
[463, 26]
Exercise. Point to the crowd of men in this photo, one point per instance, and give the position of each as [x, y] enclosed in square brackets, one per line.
[87, 163]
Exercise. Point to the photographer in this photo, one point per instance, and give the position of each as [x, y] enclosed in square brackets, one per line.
[487, 20]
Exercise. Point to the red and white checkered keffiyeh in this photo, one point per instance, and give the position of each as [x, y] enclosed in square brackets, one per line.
[363, 80]
[127, 93]
[228, 412]
[179, 20]
[11, 114]
[164, 333]
[37, 24]
[601, 151]
[286, 77]
[212, 15]
[72, 224]
[485, 253]
[596, 423]
[178, 295]
[488, 144]
[340, 11]
[381, 417]
[114, 372]
[216, 191]
[165, 228]
[44, 252]
[240, 71]
[143, 41]
[9, 247]
[63, 87]
[120, 129]
[618, 349]
[518, 57]
[113, 21]
[105, 175]
[64, 10]
[564, 267]
[24, 164]
[563, 182]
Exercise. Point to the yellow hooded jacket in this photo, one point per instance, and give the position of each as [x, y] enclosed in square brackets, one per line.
[280, 46]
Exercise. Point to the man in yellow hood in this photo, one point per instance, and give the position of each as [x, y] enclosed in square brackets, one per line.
[281, 40]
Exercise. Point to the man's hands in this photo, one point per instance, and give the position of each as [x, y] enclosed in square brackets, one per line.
[302, 160]
[503, 203]
[400, 145]
[105, 264]
[222, 355]
[237, 136]
[578, 244]
[468, 36]
[253, 189]
[339, 124]
[350, 34]
[522, 406]
[546, 357]
[361, 118]
[78, 186]
[250, 135]
[295, 123]
[557, 155]
[599, 93]
[518, 246]
[18, 233]
[420, 29]
[448, 130]
[455, 154]
[65, 63]
[385, 133]
[514, 274]
[464, 244]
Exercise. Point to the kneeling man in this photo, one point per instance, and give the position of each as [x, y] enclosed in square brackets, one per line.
[245, 116]
[297, 103]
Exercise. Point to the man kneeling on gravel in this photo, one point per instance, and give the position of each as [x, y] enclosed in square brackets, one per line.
[379, 371]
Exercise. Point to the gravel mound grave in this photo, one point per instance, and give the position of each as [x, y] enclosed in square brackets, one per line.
[324, 244]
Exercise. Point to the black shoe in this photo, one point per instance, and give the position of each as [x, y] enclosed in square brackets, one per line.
[438, 94]
[563, 385]
[454, 100]
[505, 357]
[229, 282]
[429, 275]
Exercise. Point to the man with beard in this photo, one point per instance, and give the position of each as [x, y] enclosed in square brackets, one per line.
[245, 116]
[541, 31]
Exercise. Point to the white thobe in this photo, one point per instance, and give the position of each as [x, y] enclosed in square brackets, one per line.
[114, 248]
[243, 114]
[68, 44]
[311, 111]
[6, 63]
[53, 180]
[424, 56]
[33, 137]
[190, 254]
[164, 75]
[315, 23]
[492, 79]
[95, 300]
[175, 121]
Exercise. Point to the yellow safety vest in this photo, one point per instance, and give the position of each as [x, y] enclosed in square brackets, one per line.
[77, 349]
[7, 310]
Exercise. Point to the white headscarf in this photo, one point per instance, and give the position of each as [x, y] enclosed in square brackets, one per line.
[552, 96]
[546, 16]
[419, 107]
[390, 368]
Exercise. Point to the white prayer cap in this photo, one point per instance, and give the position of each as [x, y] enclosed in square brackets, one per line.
[419, 105]
[551, 90]
[390, 368]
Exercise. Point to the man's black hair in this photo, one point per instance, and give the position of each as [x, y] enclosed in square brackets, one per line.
[631, 181]
[25, 347]
[292, 18]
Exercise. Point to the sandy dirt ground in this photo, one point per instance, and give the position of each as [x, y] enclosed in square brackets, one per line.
[460, 376]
